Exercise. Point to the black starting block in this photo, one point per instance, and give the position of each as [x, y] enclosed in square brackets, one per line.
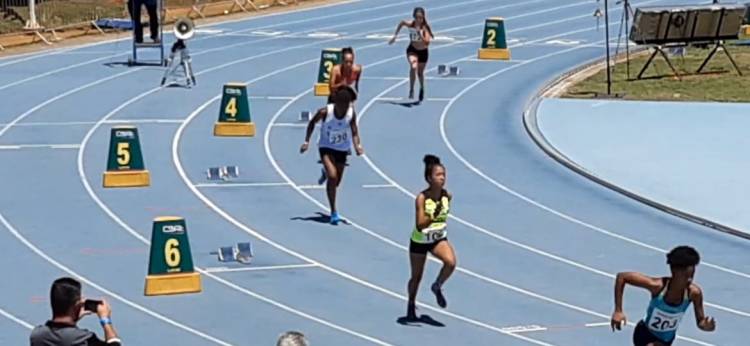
[232, 171]
[304, 116]
[242, 252]
[445, 70]
[222, 173]
[226, 254]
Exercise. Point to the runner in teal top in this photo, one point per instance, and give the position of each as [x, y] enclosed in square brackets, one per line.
[663, 318]
[670, 299]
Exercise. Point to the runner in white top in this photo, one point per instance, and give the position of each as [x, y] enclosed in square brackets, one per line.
[338, 130]
[420, 35]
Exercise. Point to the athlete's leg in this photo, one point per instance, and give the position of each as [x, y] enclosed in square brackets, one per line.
[417, 261]
[340, 172]
[420, 73]
[443, 251]
[413, 65]
[332, 180]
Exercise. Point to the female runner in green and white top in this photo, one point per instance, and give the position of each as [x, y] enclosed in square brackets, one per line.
[430, 234]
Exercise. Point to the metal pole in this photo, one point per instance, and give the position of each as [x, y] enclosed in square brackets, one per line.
[606, 30]
[32, 23]
[627, 37]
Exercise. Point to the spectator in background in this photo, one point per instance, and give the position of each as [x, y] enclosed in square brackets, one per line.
[68, 307]
[292, 339]
[134, 7]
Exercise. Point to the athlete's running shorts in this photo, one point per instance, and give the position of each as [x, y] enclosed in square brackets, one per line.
[642, 336]
[423, 249]
[336, 155]
[422, 55]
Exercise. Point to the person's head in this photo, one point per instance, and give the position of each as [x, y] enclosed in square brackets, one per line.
[420, 19]
[434, 171]
[682, 261]
[419, 15]
[65, 298]
[292, 338]
[342, 98]
[347, 57]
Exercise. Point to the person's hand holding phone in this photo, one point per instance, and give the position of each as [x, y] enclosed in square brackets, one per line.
[88, 307]
[91, 305]
[103, 309]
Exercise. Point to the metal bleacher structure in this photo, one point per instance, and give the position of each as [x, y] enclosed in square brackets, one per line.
[660, 27]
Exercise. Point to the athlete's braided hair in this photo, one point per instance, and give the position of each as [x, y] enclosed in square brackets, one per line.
[424, 15]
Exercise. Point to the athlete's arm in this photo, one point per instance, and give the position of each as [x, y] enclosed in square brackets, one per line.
[634, 279]
[439, 207]
[311, 127]
[704, 322]
[426, 38]
[337, 79]
[355, 135]
[334, 83]
[423, 221]
[401, 24]
[358, 69]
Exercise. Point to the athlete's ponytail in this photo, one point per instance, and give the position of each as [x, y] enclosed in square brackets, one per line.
[430, 161]
[424, 15]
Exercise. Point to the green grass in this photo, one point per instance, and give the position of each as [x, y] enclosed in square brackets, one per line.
[718, 81]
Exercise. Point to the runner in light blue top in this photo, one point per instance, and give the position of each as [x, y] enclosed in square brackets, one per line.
[670, 299]
[663, 318]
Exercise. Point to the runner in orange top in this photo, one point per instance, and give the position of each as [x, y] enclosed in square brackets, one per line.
[347, 73]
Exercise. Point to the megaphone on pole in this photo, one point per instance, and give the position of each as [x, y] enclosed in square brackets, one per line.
[184, 29]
